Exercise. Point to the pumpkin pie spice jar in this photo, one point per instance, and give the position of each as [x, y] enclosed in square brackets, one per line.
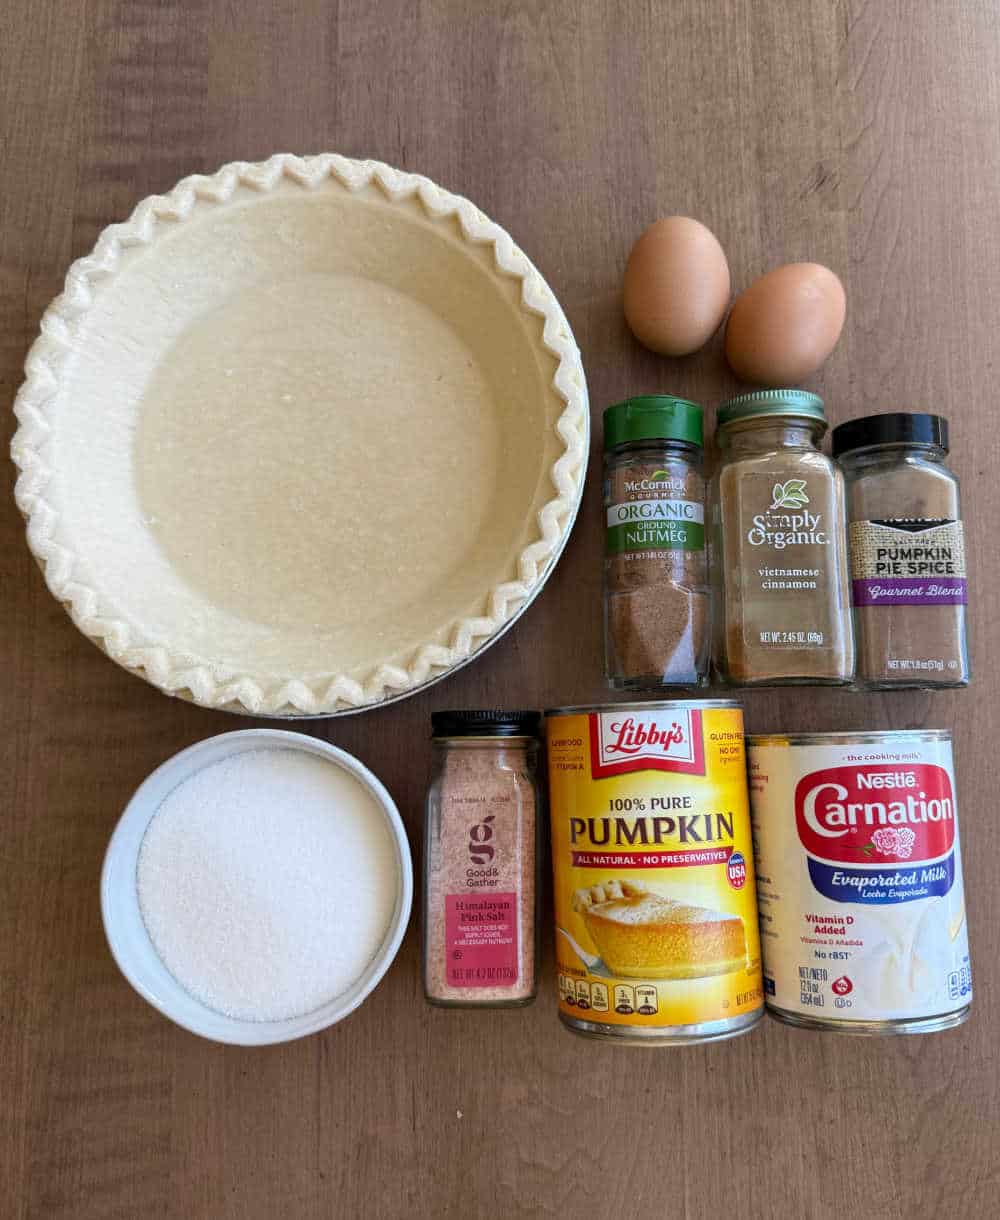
[907, 551]
[778, 549]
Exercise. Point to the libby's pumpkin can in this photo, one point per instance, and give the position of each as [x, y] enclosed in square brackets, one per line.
[655, 901]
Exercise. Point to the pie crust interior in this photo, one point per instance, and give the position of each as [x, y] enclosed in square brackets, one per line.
[640, 933]
[301, 436]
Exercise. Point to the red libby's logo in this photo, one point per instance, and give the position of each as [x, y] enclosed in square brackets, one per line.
[876, 814]
[641, 741]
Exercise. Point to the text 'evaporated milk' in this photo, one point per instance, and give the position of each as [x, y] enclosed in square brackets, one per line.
[859, 880]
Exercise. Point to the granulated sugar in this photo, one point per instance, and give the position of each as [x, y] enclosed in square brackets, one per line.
[267, 883]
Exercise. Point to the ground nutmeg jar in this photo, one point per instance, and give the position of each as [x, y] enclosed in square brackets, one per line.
[778, 543]
[655, 584]
[907, 551]
[481, 853]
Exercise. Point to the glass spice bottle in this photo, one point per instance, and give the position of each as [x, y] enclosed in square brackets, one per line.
[656, 598]
[907, 551]
[481, 856]
[778, 546]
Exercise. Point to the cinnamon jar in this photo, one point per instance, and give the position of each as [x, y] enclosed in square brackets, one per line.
[907, 551]
[778, 546]
[656, 598]
[481, 856]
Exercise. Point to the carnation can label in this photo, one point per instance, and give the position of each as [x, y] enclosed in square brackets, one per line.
[862, 909]
[656, 917]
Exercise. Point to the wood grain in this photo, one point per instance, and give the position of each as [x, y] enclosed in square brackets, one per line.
[866, 136]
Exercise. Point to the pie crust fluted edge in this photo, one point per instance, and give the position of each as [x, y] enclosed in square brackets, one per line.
[200, 679]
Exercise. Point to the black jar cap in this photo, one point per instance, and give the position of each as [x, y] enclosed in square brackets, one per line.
[896, 428]
[489, 722]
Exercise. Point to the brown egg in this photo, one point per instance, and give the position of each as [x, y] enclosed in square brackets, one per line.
[676, 286]
[785, 324]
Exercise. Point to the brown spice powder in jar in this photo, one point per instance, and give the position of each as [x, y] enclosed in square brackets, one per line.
[907, 551]
[659, 631]
[481, 861]
[779, 548]
[656, 596]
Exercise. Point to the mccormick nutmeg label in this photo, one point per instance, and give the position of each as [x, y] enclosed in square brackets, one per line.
[860, 877]
[654, 879]
[649, 511]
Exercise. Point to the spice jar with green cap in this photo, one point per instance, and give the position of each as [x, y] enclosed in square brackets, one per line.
[777, 546]
[656, 598]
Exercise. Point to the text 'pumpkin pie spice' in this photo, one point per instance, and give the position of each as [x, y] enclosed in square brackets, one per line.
[480, 943]
[655, 581]
[655, 900]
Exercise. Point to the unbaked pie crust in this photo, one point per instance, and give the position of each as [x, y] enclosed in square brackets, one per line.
[301, 436]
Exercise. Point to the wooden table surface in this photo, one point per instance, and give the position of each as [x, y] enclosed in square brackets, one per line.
[864, 136]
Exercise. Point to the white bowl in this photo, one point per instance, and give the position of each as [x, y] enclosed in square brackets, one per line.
[126, 932]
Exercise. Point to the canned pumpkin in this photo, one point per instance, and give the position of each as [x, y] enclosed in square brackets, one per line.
[655, 901]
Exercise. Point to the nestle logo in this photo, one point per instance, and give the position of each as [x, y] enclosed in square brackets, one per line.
[634, 741]
[876, 815]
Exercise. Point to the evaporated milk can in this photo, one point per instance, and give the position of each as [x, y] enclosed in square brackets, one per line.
[656, 914]
[862, 907]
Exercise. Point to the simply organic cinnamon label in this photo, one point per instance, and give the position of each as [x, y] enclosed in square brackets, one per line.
[656, 923]
[786, 553]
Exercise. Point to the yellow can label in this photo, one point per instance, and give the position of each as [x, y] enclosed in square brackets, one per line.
[655, 900]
